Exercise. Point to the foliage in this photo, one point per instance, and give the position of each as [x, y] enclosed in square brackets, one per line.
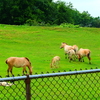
[43, 11]
[69, 25]
[31, 22]
[96, 22]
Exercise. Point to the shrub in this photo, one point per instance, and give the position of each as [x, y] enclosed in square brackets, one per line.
[69, 25]
[31, 22]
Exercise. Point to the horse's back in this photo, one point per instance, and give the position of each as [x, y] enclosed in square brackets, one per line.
[75, 47]
[56, 58]
[10, 59]
[84, 51]
[67, 48]
[17, 61]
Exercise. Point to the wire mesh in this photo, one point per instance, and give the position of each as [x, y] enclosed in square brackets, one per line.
[61, 86]
[67, 87]
[14, 92]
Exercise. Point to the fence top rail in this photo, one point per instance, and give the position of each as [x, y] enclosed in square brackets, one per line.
[49, 75]
[65, 73]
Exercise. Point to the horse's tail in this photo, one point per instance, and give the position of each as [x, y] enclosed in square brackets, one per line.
[89, 55]
[6, 62]
[28, 60]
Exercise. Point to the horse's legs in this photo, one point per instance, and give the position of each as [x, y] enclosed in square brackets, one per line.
[88, 56]
[10, 70]
[24, 69]
[66, 55]
[82, 59]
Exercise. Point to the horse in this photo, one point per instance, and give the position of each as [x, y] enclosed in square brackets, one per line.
[84, 53]
[68, 47]
[71, 55]
[55, 62]
[18, 62]
[5, 84]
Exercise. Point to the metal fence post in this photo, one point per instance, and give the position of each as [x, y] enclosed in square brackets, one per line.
[28, 90]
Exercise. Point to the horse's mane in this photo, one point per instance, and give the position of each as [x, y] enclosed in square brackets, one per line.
[27, 60]
[64, 42]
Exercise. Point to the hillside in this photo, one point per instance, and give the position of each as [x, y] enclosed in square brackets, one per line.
[40, 44]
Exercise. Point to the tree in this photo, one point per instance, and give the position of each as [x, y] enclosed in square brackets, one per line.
[96, 22]
[64, 13]
[43, 11]
[85, 19]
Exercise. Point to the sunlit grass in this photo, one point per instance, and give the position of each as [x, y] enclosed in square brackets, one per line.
[40, 44]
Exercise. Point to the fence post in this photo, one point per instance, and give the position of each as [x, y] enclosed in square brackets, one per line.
[28, 90]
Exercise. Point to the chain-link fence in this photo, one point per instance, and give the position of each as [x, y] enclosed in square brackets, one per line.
[73, 85]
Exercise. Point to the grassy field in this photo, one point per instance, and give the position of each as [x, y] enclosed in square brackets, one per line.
[40, 44]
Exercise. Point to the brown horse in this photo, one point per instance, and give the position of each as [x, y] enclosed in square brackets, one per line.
[18, 62]
[55, 62]
[82, 53]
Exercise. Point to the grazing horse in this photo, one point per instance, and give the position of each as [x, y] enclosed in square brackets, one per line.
[71, 55]
[18, 62]
[55, 62]
[68, 47]
[82, 53]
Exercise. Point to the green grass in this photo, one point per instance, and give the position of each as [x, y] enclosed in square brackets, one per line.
[40, 44]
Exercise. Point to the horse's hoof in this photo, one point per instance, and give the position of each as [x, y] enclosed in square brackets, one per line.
[24, 74]
[7, 75]
[12, 75]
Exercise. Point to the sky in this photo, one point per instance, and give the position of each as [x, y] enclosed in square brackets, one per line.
[92, 6]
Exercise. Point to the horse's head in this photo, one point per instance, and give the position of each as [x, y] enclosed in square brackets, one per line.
[30, 70]
[62, 45]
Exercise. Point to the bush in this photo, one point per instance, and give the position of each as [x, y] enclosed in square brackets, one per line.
[69, 25]
[32, 22]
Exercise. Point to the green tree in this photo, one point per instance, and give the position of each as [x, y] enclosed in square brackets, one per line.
[36, 12]
[76, 15]
[64, 13]
[96, 22]
[85, 19]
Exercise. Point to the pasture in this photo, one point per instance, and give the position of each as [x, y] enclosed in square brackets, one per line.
[40, 44]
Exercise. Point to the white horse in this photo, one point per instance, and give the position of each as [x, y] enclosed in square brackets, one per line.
[55, 62]
[18, 62]
[82, 53]
[5, 84]
[68, 47]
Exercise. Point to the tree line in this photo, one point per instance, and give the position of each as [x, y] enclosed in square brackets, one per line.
[44, 12]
